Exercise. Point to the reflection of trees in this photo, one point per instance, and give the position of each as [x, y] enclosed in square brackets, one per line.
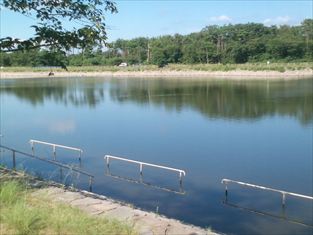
[59, 90]
[224, 99]
[214, 99]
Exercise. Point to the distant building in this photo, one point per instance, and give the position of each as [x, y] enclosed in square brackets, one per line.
[123, 64]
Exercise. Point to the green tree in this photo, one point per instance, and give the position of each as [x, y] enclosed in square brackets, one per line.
[50, 31]
[307, 32]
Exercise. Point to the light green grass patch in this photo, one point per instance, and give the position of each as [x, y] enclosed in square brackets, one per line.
[24, 213]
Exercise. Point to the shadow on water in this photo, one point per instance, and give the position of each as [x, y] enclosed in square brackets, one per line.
[147, 184]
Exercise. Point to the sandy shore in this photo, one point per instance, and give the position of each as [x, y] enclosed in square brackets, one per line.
[233, 75]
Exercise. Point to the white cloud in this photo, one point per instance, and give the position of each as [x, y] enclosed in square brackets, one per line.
[62, 127]
[58, 126]
[279, 20]
[221, 18]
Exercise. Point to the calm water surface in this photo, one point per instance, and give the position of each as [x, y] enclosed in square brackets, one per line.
[256, 132]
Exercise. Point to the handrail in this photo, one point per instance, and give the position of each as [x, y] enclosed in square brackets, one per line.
[14, 151]
[141, 164]
[54, 146]
[284, 193]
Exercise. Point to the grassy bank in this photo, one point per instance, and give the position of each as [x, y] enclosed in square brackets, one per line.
[280, 67]
[24, 213]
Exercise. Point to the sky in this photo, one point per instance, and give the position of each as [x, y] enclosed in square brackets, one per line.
[149, 18]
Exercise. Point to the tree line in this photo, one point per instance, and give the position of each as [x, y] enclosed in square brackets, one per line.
[239, 43]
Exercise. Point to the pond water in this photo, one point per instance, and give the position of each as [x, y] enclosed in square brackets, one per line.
[257, 132]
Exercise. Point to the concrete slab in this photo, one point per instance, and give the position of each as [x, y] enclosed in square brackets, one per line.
[85, 201]
[146, 223]
[66, 196]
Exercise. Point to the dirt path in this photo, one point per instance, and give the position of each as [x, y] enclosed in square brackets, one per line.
[233, 75]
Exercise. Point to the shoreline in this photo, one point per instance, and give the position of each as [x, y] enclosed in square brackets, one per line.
[144, 222]
[232, 75]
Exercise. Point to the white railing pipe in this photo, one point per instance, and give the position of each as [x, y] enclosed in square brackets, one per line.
[284, 193]
[141, 164]
[32, 142]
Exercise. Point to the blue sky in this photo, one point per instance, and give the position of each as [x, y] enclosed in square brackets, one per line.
[155, 18]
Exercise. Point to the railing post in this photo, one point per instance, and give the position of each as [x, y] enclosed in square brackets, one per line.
[14, 163]
[140, 169]
[180, 177]
[54, 151]
[32, 146]
[90, 184]
[80, 154]
[108, 159]
[283, 199]
[61, 174]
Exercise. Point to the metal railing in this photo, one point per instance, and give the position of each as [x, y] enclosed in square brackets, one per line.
[141, 164]
[284, 193]
[14, 152]
[54, 147]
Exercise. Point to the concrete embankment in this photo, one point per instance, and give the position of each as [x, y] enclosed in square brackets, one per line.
[146, 223]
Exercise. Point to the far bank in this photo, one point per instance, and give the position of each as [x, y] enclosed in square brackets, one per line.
[231, 75]
[229, 71]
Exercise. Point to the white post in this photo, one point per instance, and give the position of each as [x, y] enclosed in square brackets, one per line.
[32, 145]
[284, 199]
[54, 152]
[80, 154]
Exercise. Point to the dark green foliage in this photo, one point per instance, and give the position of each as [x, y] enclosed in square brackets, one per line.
[51, 34]
[50, 31]
[34, 58]
[238, 43]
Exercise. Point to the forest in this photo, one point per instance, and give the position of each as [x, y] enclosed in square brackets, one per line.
[228, 44]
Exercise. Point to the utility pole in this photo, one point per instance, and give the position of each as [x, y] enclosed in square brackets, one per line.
[139, 54]
[148, 53]
[220, 47]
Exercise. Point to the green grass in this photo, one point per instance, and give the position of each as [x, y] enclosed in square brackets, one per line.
[281, 67]
[22, 213]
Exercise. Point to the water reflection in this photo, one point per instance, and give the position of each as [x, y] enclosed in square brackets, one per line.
[283, 215]
[224, 99]
[147, 184]
[65, 91]
[213, 99]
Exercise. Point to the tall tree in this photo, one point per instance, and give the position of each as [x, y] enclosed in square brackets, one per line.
[50, 31]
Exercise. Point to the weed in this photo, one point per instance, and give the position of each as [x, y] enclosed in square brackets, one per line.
[24, 213]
